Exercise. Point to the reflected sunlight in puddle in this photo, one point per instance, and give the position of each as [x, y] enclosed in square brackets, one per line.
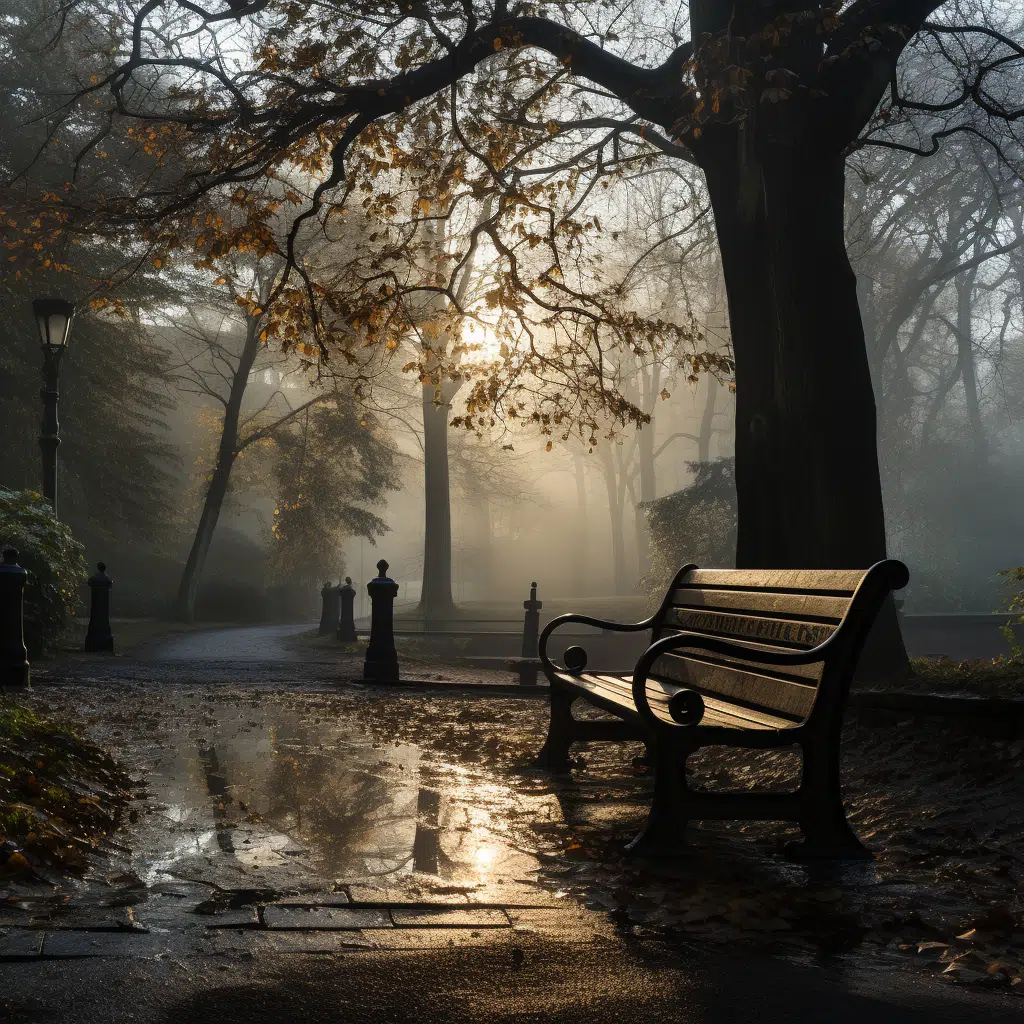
[273, 794]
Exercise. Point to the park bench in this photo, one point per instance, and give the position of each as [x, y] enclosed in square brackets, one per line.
[755, 658]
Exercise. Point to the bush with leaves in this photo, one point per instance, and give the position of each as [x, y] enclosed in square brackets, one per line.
[694, 524]
[1014, 604]
[53, 558]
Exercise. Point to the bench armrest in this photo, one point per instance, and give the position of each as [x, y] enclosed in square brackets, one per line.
[715, 645]
[586, 620]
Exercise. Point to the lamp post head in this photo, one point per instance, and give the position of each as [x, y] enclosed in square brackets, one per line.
[53, 321]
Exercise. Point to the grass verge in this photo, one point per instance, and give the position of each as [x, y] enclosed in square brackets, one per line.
[60, 795]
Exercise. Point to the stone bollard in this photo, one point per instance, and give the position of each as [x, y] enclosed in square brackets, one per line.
[14, 666]
[531, 631]
[347, 622]
[381, 657]
[329, 613]
[98, 636]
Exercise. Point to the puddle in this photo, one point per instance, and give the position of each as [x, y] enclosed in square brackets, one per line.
[279, 796]
[254, 797]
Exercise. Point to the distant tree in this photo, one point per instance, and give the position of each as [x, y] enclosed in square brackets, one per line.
[223, 348]
[116, 467]
[331, 465]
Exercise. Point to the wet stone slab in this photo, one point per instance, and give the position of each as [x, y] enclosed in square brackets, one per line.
[444, 917]
[20, 943]
[246, 917]
[324, 918]
[435, 893]
[256, 943]
[72, 943]
[440, 938]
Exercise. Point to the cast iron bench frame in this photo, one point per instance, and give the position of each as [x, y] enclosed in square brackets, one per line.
[668, 714]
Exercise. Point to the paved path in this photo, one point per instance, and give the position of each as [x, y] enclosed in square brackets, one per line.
[530, 978]
[248, 643]
[925, 636]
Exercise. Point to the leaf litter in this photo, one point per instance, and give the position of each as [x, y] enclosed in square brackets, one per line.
[941, 806]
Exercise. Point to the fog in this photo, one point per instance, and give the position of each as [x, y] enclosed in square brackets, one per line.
[225, 464]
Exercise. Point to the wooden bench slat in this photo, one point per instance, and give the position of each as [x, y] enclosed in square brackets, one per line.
[782, 605]
[811, 580]
[719, 713]
[753, 687]
[779, 632]
[805, 675]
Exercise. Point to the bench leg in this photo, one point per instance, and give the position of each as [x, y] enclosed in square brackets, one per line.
[554, 755]
[662, 836]
[827, 833]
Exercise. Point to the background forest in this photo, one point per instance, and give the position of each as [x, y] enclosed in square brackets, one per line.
[224, 474]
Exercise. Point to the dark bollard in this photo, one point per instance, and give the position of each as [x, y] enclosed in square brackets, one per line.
[381, 657]
[531, 631]
[329, 614]
[347, 622]
[98, 637]
[14, 666]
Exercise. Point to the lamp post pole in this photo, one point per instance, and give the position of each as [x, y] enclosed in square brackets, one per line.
[49, 436]
[53, 319]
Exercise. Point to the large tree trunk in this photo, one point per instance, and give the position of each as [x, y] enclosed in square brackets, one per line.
[213, 502]
[436, 597]
[807, 478]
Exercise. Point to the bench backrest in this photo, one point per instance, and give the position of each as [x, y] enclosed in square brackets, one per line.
[779, 609]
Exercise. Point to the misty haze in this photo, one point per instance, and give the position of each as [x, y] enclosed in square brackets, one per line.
[512, 510]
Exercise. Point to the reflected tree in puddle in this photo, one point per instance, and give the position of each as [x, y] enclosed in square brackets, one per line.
[216, 785]
[275, 790]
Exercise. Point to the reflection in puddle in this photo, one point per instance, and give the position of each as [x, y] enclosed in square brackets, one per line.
[275, 792]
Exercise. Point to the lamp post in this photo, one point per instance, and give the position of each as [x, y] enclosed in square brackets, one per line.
[53, 319]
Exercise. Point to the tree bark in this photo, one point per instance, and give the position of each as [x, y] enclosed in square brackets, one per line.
[436, 596]
[965, 350]
[615, 495]
[807, 477]
[580, 552]
[707, 420]
[213, 501]
[648, 479]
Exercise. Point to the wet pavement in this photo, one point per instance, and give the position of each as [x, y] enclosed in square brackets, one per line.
[293, 837]
[244, 643]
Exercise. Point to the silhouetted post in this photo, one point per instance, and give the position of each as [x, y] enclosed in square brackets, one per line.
[531, 631]
[14, 666]
[98, 637]
[347, 622]
[329, 613]
[381, 657]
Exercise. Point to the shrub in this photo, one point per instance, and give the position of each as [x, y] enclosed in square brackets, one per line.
[1014, 604]
[695, 524]
[53, 558]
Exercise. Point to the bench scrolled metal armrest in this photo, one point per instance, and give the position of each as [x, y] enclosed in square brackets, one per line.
[715, 645]
[586, 620]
